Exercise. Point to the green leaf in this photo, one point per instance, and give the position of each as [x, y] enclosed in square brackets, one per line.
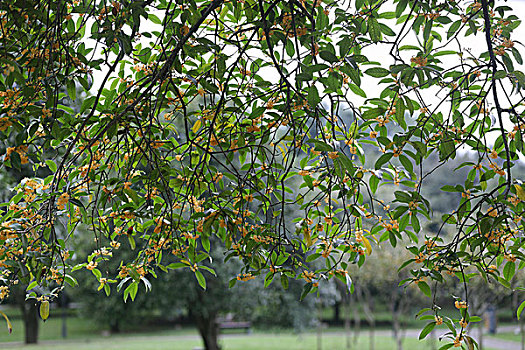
[508, 63]
[205, 243]
[209, 269]
[31, 285]
[306, 290]
[71, 90]
[97, 273]
[400, 113]
[372, 113]
[428, 328]
[344, 46]
[406, 163]
[520, 76]
[16, 162]
[382, 160]
[504, 282]
[374, 30]
[268, 279]
[328, 56]
[377, 72]
[426, 31]
[70, 280]
[415, 223]
[131, 291]
[453, 29]
[509, 270]
[154, 18]
[312, 257]
[500, 74]
[290, 48]
[176, 266]
[447, 149]
[284, 281]
[401, 5]
[320, 145]
[517, 55]
[520, 309]
[357, 90]
[373, 182]
[131, 241]
[52, 165]
[386, 30]
[423, 286]
[313, 96]
[200, 279]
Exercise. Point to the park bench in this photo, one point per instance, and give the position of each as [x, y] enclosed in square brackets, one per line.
[246, 325]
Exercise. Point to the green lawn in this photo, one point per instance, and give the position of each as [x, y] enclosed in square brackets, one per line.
[49, 330]
[509, 336]
[239, 342]
[85, 334]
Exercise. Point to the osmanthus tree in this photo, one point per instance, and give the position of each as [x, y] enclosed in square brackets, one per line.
[206, 118]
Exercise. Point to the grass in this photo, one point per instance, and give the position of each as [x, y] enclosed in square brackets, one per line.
[51, 329]
[237, 342]
[509, 336]
[85, 334]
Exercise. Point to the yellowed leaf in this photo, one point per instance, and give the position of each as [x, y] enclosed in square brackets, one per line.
[9, 326]
[368, 246]
[520, 192]
[44, 310]
[196, 126]
[308, 238]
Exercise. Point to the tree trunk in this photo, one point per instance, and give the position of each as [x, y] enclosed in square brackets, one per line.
[396, 322]
[433, 340]
[337, 313]
[319, 325]
[368, 308]
[209, 331]
[480, 338]
[30, 315]
[114, 326]
[357, 318]
[522, 331]
[346, 299]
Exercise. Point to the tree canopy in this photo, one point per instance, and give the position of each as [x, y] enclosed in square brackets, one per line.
[166, 124]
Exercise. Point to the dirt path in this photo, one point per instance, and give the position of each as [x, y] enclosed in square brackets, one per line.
[488, 340]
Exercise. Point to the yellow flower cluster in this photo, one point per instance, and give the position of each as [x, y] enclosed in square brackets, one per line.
[419, 61]
[308, 276]
[460, 304]
[245, 277]
[22, 152]
[5, 123]
[62, 200]
[92, 265]
[4, 292]
[262, 239]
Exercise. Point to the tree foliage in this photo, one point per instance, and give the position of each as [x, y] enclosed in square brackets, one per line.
[206, 118]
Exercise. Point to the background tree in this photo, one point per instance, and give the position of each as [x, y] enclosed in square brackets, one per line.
[275, 78]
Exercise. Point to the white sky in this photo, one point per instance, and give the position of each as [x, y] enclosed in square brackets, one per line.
[476, 43]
